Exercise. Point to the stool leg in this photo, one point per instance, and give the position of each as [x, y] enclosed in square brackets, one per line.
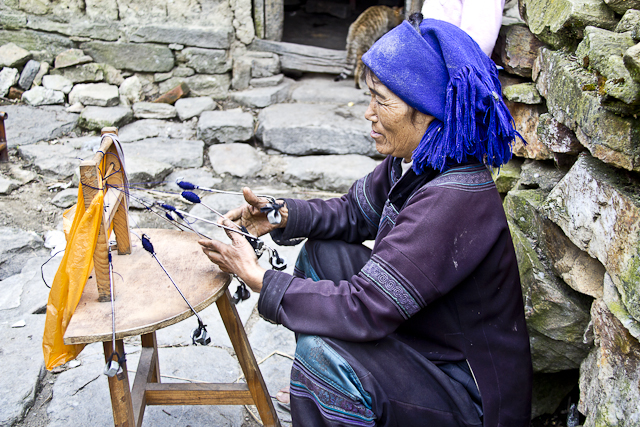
[247, 360]
[119, 389]
[149, 340]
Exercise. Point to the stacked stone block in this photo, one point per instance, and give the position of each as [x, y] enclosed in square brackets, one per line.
[570, 79]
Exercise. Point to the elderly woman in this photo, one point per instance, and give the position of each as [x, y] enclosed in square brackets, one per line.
[428, 327]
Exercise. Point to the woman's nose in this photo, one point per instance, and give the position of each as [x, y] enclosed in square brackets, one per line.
[370, 114]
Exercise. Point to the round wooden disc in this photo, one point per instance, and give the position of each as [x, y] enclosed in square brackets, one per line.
[145, 298]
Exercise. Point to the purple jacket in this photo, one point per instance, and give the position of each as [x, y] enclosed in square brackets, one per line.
[442, 277]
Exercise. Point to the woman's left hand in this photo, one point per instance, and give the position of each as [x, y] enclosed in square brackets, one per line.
[237, 258]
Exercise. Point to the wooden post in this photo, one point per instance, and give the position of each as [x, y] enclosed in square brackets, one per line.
[247, 360]
[4, 149]
[119, 389]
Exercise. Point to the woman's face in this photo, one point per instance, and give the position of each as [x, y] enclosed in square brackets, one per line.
[392, 127]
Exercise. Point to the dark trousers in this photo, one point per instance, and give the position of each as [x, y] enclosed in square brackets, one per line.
[378, 383]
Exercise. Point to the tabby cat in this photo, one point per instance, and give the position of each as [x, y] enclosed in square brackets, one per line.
[372, 24]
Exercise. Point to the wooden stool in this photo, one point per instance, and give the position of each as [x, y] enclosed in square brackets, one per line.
[4, 150]
[145, 301]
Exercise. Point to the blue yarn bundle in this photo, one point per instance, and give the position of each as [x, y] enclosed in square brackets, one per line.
[442, 72]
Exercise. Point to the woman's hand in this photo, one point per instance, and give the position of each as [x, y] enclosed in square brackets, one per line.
[250, 216]
[237, 258]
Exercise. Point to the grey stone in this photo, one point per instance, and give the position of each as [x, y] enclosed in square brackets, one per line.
[604, 51]
[264, 96]
[631, 60]
[539, 175]
[142, 169]
[241, 160]
[102, 10]
[556, 315]
[11, 292]
[216, 127]
[148, 58]
[264, 64]
[13, 21]
[613, 300]
[75, 108]
[241, 73]
[322, 89]
[561, 23]
[243, 20]
[175, 152]
[215, 86]
[16, 247]
[176, 46]
[609, 137]
[7, 185]
[8, 78]
[297, 129]
[95, 118]
[329, 173]
[70, 58]
[525, 93]
[57, 82]
[42, 96]
[131, 89]
[609, 376]
[153, 110]
[85, 73]
[58, 161]
[209, 61]
[29, 125]
[192, 107]
[630, 22]
[32, 41]
[142, 129]
[65, 198]
[267, 81]
[13, 56]
[23, 176]
[97, 94]
[206, 37]
[183, 72]
[516, 49]
[507, 176]
[597, 209]
[78, 29]
[557, 137]
[622, 6]
[44, 69]
[160, 77]
[28, 74]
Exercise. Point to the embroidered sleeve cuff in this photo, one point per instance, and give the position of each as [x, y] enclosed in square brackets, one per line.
[274, 285]
[294, 231]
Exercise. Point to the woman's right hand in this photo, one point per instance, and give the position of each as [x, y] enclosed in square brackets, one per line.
[249, 215]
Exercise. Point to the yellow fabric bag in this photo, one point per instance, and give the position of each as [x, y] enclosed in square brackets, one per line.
[70, 279]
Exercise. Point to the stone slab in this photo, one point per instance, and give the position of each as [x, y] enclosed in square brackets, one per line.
[329, 173]
[142, 57]
[95, 118]
[85, 73]
[71, 57]
[13, 56]
[57, 82]
[264, 96]
[16, 247]
[145, 171]
[209, 61]
[65, 198]
[296, 57]
[322, 89]
[175, 152]
[516, 49]
[30, 40]
[225, 126]
[28, 125]
[305, 129]
[572, 100]
[193, 107]
[7, 185]
[97, 94]
[557, 137]
[153, 110]
[240, 160]
[598, 210]
[206, 37]
[28, 74]
[42, 96]
[8, 78]
[58, 161]
[214, 85]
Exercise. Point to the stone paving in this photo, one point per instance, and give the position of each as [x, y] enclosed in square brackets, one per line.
[203, 145]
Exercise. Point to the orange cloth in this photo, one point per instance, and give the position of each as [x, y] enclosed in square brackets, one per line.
[70, 279]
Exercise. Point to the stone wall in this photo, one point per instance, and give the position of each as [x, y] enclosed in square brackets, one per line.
[90, 41]
[572, 196]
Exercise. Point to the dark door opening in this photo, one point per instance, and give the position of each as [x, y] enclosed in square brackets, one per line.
[324, 23]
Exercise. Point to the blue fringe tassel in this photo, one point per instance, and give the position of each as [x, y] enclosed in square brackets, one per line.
[483, 128]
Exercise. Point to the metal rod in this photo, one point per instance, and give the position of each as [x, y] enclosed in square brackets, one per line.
[176, 286]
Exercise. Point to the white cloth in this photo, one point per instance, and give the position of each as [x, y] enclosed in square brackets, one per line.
[481, 19]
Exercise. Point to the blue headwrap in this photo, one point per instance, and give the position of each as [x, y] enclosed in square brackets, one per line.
[442, 72]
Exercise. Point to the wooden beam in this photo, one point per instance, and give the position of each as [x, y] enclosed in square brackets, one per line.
[297, 57]
[119, 389]
[198, 394]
